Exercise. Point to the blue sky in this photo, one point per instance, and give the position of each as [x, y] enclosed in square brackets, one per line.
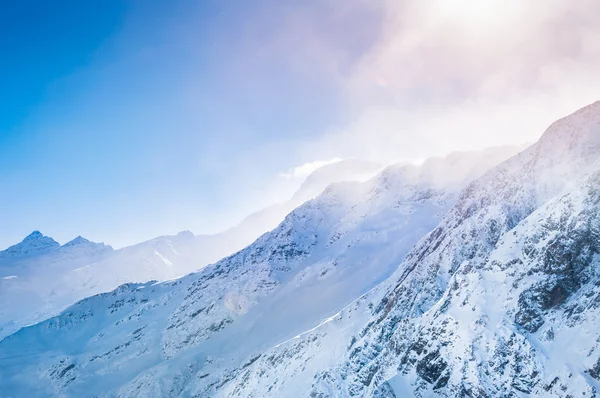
[134, 111]
[124, 120]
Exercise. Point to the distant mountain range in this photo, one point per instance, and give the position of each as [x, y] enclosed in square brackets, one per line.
[49, 277]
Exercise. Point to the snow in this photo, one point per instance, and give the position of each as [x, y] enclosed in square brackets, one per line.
[400, 387]
[52, 277]
[452, 278]
[33, 244]
[165, 260]
[182, 337]
[466, 299]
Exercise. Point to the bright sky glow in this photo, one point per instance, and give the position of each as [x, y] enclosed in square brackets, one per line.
[477, 13]
[121, 121]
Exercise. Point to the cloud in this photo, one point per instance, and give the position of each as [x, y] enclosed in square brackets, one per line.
[379, 80]
[306, 169]
[408, 79]
[448, 75]
[413, 79]
[449, 53]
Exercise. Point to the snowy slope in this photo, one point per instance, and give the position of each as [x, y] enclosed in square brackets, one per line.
[191, 336]
[50, 277]
[32, 280]
[48, 281]
[467, 304]
[343, 170]
[501, 299]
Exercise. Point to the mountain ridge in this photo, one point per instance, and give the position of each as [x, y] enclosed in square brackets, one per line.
[369, 368]
[323, 255]
[61, 275]
[405, 337]
[33, 244]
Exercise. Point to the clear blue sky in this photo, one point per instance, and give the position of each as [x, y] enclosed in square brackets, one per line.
[121, 120]
[124, 120]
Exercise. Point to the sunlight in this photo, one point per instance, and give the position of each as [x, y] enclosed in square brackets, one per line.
[479, 14]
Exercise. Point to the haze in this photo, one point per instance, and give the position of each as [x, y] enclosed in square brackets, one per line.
[121, 121]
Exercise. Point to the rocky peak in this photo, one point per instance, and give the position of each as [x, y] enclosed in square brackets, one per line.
[34, 236]
[82, 246]
[33, 244]
[80, 240]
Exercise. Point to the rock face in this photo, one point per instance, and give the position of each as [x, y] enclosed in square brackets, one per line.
[201, 334]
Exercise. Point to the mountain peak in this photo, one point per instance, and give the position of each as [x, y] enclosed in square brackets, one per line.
[344, 170]
[34, 235]
[82, 245]
[579, 129]
[185, 234]
[35, 243]
[77, 241]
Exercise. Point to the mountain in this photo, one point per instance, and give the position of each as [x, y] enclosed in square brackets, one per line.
[34, 244]
[197, 335]
[343, 170]
[267, 219]
[501, 299]
[51, 277]
[31, 277]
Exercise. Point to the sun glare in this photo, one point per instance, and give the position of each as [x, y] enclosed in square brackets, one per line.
[474, 13]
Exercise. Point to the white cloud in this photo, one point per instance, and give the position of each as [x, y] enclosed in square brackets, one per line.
[429, 77]
[452, 75]
[410, 79]
[306, 169]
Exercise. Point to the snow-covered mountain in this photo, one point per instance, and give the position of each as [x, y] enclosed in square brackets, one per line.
[49, 277]
[33, 244]
[267, 219]
[501, 299]
[343, 170]
[31, 271]
[198, 335]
